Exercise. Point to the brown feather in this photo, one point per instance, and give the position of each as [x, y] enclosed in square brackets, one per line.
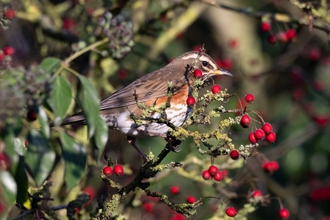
[147, 88]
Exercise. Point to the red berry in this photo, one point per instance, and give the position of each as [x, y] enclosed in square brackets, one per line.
[191, 100]
[226, 64]
[218, 176]
[8, 51]
[298, 93]
[198, 73]
[175, 190]
[267, 128]
[271, 137]
[148, 206]
[234, 154]
[5, 162]
[118, 170]
[245, 121]
[252, 138]
[282, 36]
[233, 43]
[191, 199]
[206, 175]
[213, 170]
[216, 89]
[231, 211]
[259, 134]
[291, 34]
[314, 54]
[224, 173]
[271, 39]
[2, 57]
[249, 98]
[266, 26]
[178, 216]
[10, 13]
[197, 48]
[318, 85]
[3, 207]
[256, 193]
[321, 120]
[163, 17]
[31, 115]
[270, 166]
[284, 213]
[90, 191]
[107, 171]
[67, 23]
[122, 74]
[180, 35]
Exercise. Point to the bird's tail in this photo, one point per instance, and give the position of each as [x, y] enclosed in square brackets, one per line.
[74, 119]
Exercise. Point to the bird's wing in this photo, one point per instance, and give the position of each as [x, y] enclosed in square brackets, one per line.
[151, 86]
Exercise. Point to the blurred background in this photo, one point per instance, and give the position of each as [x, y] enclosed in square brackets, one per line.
[276, 50]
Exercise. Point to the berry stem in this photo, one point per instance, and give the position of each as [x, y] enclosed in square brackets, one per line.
[239, 100]
[86, 49]
[280, 202]
[259, 116]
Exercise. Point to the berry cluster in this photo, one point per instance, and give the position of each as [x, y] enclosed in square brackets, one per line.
[120, 34]
[198, 74]
[265, 132]
[6, 15]
[282, 36]
[175, 190]
[21, 89]
[270, 166]
[300, 82]
[212, 172]
[117, 169]
[6, 54]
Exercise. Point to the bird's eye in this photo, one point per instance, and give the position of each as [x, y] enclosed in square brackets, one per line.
[205, 63]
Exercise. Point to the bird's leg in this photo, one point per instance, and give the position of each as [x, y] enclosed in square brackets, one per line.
[131, 141]
[173, 144]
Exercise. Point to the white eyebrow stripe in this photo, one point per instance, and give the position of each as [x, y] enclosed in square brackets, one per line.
[202, 58]
[190, 56]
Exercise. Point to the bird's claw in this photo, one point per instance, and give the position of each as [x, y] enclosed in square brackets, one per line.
[173, 145]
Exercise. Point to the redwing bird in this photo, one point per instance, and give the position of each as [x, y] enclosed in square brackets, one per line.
[152, 90]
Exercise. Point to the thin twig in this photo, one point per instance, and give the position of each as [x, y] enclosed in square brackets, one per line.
[27, 212]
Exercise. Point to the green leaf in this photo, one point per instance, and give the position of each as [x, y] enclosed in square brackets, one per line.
[8, 187]
[74, 156]
[90, 103]
[43, 120]
[21, 179]
[13, 149]
[39, 157]
[61, 98]
[50, 64]
[100, 137]
[8, 192]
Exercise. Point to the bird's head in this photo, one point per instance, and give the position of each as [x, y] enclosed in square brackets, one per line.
[200, 61]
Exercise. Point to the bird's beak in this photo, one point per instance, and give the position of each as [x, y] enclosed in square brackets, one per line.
[222, 72]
